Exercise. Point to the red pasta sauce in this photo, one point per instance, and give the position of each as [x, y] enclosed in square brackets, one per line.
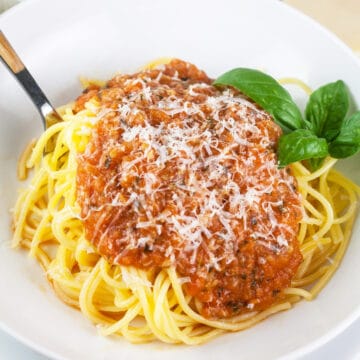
[179, 173]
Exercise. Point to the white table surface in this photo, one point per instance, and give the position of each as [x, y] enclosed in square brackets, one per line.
[346, 346]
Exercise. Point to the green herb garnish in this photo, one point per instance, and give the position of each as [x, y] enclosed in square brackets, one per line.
[301, 144]
[324, 131]
[326, 109]
[266, 92]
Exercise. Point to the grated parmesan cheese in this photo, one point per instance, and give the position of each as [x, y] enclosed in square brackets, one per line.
[179, 169]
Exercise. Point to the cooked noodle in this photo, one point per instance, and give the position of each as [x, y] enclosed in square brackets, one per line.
[143, 305]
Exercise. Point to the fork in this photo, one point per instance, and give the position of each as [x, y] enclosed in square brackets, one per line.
[15, 65]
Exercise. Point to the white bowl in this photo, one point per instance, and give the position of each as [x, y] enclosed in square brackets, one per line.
[62, 39]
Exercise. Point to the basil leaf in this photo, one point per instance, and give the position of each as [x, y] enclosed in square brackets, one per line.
[315, 163]
[347, 143]
[299, 145]
[326, 109]
[268, 93]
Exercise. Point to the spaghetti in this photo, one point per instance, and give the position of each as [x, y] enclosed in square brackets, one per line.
[149, 303]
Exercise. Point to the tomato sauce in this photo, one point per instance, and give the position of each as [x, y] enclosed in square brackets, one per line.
[180, 173]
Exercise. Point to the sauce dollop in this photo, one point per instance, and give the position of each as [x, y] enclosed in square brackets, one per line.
[180, 173]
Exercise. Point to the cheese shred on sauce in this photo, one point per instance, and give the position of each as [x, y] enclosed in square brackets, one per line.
[178, 172]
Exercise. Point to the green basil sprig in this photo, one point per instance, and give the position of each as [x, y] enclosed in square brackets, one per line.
[347, 143]
[301, 144]
[266, 92]
[326, 109]
[325, 129]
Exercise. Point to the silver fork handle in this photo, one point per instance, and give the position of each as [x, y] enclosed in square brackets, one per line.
[18, 69]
